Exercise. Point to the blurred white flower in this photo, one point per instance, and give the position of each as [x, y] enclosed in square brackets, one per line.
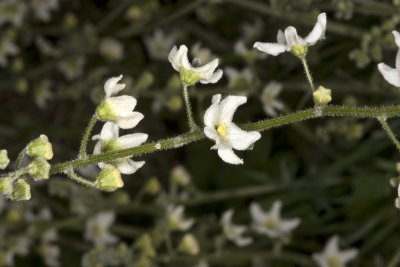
[392, 75]
[180, 176]
[72, 67]
[250, 55]
[118, 109]
[269, 98]
[158, 45]
[19, 247]
[49, 251]
[270, 223]
[12, 11]
[226, 134]
[176, 220]
[43, 8]
[239, 79]
[189, 74]
[201, 54]
[291, 41]
[111, 49]
[7, 48]
[234, 232]
[332, 256]
[42, 93]
[251, 31]
[97, 229]
[109, 140]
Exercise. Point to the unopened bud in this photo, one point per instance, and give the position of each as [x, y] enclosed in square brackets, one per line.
[40, 147]
[4, 160]
[189, 245]
[110, 179]
[21, 191]
[6, 186]
[153, 186]
[300, 50]
[322, 96]
[180, 176]
[145, 244]
[39, 169]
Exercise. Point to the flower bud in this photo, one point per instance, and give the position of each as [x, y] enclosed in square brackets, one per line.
[145, 244]
[180, 176]
[4, 160]
[152, 187]
[21, 191]
[110, 179]
[322, 96]
[6, 186]
[189, 245]
[145, 80]
[40, 147]
[299, 50]
[39, 169]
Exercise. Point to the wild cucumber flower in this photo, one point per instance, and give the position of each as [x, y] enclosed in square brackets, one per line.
[226, 134]
[109, 140]
[97, 229]
[332, 256]
[39, 169]
[322, 96]
[392, 75]
[269, 98]
[6, 185]
[176, 221]
[270, 223]
[189, 245]
[233, 232]
[110, 179]
[239, 80]
[191, 75]
[291, 41]
[21, 191]
[118, 109]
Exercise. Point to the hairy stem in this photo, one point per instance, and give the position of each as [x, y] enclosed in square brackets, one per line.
[86, 136]
[308, 73]
[20, 157]
[189, 113]
[73, 176]
[389, 131]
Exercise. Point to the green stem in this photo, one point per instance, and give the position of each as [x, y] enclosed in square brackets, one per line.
[20, 157]
[73, 176]
[189, 113]
[308, 73]
[196, 135]
[389, 131]
[86, 136]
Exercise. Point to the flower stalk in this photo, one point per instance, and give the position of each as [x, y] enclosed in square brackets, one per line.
[86, 136]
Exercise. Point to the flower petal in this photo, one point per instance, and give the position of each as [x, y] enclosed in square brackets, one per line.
[273, 49]
[391, 75]
[292, 38]
[348, 255]
[228, 107]
[318, 32]
[332, 247]
[288, 225]
[276, 209]
[128, 166]
[123, 105]
[398, 59]
[109, 131]
[112, 87]
[281, 38]
[212, 113]
[211, 133]
[396, 35]
[240, 139]
[227, 155]
[132, 140]
[257, 213]
[226, 219]
[130, 121]
[243, 241]
[215, 77]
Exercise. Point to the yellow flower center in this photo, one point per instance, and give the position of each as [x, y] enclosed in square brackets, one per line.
[222, 130]
[272, 223]
[334, 261]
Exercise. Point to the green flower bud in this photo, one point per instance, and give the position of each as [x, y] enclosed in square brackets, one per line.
[143, 262]
[174, 103]
[189, 77]
[40, 147]
[4, 160]
[189, 245]
[110, 179]
[299, 50]
[322, 96]
[145, 80]
[21, 191]
[153, 186]
[105, 111]
[6, 186]
[145, 244]
[39, 169]
[180, 176]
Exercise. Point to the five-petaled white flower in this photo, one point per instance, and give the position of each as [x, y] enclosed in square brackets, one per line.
[227, 135]
[291, 41]
[176, 221]
[118, 109]
[332, 256]
[191, 75]
[270, 223]
[268, 98]
[392, 75]
[97, 229]
[234, 232]
[109, 140]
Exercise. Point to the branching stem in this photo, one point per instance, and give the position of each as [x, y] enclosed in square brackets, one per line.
[86, 136]
[389, 131]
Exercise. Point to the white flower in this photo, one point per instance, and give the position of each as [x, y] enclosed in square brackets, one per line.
[239, 79]
[118, 109]
[250, 55]
[42, 8]
[233, 232]
[111, 49]
[97, 229]
[19, 247]
[227, 135]
[270, 223]
[158, 45]
[7, 48]
[176, 221]
[72, 67]
[109, 140]
[201, 54]
[332, 256]
[268, 98]
[189, 74]
[392, 75]
[291, 41]
[12, 11]
[180, 176]
[49, 251]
